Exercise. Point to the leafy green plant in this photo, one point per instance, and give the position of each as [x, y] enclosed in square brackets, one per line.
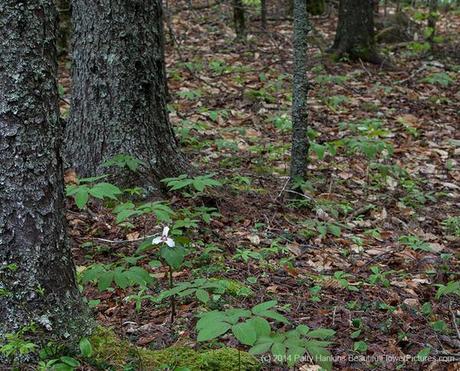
[198, 183]
[415, 243]
[16, 344]
[439, 78]
[378, 276]
[104, 275]
[452, 225]
[452, 287]
[250, 327]
[128, 209]
[87, 187]
[124, 161]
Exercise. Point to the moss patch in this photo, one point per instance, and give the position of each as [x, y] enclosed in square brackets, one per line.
[110, 351]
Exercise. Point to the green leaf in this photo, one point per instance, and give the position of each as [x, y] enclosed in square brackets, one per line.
[261, 326]
[105, 280]
[274, 315]
[279, 351]
[81, 197]
[72, 362]
[321, 333]
[245, 333]
[202, 295]
[174, 256]
[319, 354]
[103, 190]
[213, 330]
[121, 279]
[423, 354]
[260, 348]
[86, 348]
[360, 346]
[295, 354]
[264, 306]
[208, 318]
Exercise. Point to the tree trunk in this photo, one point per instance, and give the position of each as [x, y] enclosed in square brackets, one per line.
[119, 98]
[239, 20]
[300, 145]
[63, 7]
[354, 36]
[431, 21]
[316, 7]
[37, 277]
[263, 14]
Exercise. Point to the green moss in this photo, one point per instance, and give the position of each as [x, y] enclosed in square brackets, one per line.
[316, 7]
[110, 351]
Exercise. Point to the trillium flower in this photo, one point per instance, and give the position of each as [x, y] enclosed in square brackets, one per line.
[164, 238]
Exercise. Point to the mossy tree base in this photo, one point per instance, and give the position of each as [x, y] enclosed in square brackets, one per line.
[110, 351]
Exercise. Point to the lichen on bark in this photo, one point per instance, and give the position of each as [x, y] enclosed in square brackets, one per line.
[37, 278]
[119, 96]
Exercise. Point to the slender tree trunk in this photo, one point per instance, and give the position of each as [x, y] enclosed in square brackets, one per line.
[239, 20]
[355, 31]
[300, 145]
[263, 14]
[37, 277]
[63, 7]
[432, 17]
[316, 7]
[119, 95]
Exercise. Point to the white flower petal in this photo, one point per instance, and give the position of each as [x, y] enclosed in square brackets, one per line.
[165, 231]
[156, 240]
[170, 242]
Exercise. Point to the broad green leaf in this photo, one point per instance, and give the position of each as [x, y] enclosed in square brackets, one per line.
[105, 280]
[279, 351]
[81, 197]
[261, 326]
[202, 295]
[321, 333]
[274, 315]
[264, 306]
[245, 333]
[174, 256]
[213, 330]
[260, 348]
[86, 348]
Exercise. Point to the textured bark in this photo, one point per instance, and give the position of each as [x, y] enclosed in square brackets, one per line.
[239, 20]
[63, 7]
[300, 145]
[37, 277]
[119, 97]
[354, 36]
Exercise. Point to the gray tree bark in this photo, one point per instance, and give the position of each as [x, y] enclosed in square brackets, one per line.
[300, 144]
[119, 96]
[37, 276]
[354, 36]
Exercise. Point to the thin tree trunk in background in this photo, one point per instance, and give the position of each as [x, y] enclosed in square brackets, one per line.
[239, 20]
[431, 21]
[300, 144]
[63, 7]
[354, 36]
[37, 275]
[263, 13]
[119, 89]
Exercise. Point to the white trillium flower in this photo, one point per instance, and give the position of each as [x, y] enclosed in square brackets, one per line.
[164, 238]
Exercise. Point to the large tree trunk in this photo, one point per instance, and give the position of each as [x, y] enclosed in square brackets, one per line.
[119, 98]
[355, 31]
[300, 145]
[37, 277]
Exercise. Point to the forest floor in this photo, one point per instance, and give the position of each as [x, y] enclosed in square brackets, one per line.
[378, 228]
